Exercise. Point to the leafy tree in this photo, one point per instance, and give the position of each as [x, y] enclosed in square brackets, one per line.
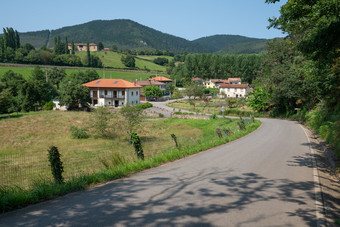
[73, 48]
[194, 90]
[88, 54]
[82, 77]
[12, 81]
[152, 91]
[128, 61]
[74, 95]
[56, 75]
[6, 101]
[100, 46]
[259, 99]
[101, 118]
[161, 61]
[132, 117]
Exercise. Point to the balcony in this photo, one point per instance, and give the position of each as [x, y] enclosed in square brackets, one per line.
[112, 96]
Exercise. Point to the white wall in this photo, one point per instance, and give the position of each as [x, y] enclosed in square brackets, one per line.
[132, 96]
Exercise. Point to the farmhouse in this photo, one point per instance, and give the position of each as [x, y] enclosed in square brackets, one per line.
[113, 92]
[163, 79]
[83, 46]
[234, 90]
[214, 83]
[144, 83]
[234, 80]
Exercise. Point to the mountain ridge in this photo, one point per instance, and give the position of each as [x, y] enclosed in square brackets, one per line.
[128, 34]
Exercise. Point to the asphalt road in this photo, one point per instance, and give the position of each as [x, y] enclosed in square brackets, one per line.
[263, 179]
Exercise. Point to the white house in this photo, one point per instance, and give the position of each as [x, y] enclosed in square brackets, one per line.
[113, 92]
[214, 83]
[234, 90]
[234, 80]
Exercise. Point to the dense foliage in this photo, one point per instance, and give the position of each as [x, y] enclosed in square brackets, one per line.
[302, 71]
[209, 66]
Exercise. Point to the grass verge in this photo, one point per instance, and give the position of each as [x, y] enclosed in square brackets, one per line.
[14, 197]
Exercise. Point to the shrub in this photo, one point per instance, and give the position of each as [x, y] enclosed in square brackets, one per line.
[212, 117]
[116, 160]
[49, 105]
[137, 145]
[144, 105]
[56, 164]
[161, 115]
[78, 133]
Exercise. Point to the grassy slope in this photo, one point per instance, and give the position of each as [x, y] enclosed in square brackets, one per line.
[24, 150]
[112, 59]
[129, 76]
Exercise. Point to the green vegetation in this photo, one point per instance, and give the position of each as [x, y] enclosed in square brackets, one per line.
[83, 159]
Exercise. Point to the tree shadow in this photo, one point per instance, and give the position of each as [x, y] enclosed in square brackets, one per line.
[177, 200]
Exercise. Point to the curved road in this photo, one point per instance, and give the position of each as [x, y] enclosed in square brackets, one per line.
[263, 179]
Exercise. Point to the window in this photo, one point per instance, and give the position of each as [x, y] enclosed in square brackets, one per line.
[105, 92]
[131, 93]
[123, 93]
[136, 92]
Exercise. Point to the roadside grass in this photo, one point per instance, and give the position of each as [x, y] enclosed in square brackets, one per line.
[103, 73]
[215, 107]
[31, 135]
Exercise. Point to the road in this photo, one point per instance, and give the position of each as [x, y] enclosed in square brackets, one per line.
[263, 179]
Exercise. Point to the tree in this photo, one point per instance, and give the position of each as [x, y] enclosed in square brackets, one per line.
[82, 77]
[100, 122]
[132, 118]
[73, 48]
[56, 75]
[74, 95]
[259, 99]
[100, 46]
[161, 61]
[88, 54]
[12, 81]
[128, 61]
[6, 101]
[194, 90]
[152, 91]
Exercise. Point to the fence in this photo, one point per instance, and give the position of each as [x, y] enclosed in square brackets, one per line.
[23, 169]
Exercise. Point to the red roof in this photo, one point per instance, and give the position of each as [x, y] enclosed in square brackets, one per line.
[233, 85]
[234, 79]
[219, 81]
[161, 78]
[149, 82]
[196, 79]
[111, 83]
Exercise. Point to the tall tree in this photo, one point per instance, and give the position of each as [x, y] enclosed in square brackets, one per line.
[56, 75]
[88, 54]
[73, 48]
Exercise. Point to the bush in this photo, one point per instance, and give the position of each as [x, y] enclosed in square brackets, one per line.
[144, 105]
[212, 117]
[49, 105]
[78, 133]
[56, 164]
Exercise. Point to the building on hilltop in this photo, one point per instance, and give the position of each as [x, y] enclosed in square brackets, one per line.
[83, 46]
[113, 92]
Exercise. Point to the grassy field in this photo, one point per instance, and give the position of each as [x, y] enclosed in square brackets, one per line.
[25, 140]
[215, 107]
[112, 59]
[126, 75]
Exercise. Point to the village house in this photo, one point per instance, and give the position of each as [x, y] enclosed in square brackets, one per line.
[150, 82]
[234, 80]
[163, 79]
[83, 46]
[197, 80]
[214, 83]
[234, 90]
[113, 92]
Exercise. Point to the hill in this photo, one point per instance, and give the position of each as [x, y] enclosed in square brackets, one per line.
[254, 47]
[218, 43]
[127, 34]
[123, 33]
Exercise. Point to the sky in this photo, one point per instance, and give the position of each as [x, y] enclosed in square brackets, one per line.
[189, 19]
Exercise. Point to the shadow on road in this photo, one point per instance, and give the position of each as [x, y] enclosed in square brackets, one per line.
[169, 201]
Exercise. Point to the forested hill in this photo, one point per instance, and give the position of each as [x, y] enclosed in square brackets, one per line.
[127, 34]
[231, 44]
[122, 33]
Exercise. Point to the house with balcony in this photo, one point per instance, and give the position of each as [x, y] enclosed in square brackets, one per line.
[113, 92]
[234, 90]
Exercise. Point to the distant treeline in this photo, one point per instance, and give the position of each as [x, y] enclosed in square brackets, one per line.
[212, 66]
[11, 51]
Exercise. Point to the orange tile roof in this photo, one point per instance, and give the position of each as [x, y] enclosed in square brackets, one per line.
[234, 79]
[196, 79]
[233, 85]
[161, 78]
[111, 83]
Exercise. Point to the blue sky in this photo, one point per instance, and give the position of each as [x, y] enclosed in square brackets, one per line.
[188, 19]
